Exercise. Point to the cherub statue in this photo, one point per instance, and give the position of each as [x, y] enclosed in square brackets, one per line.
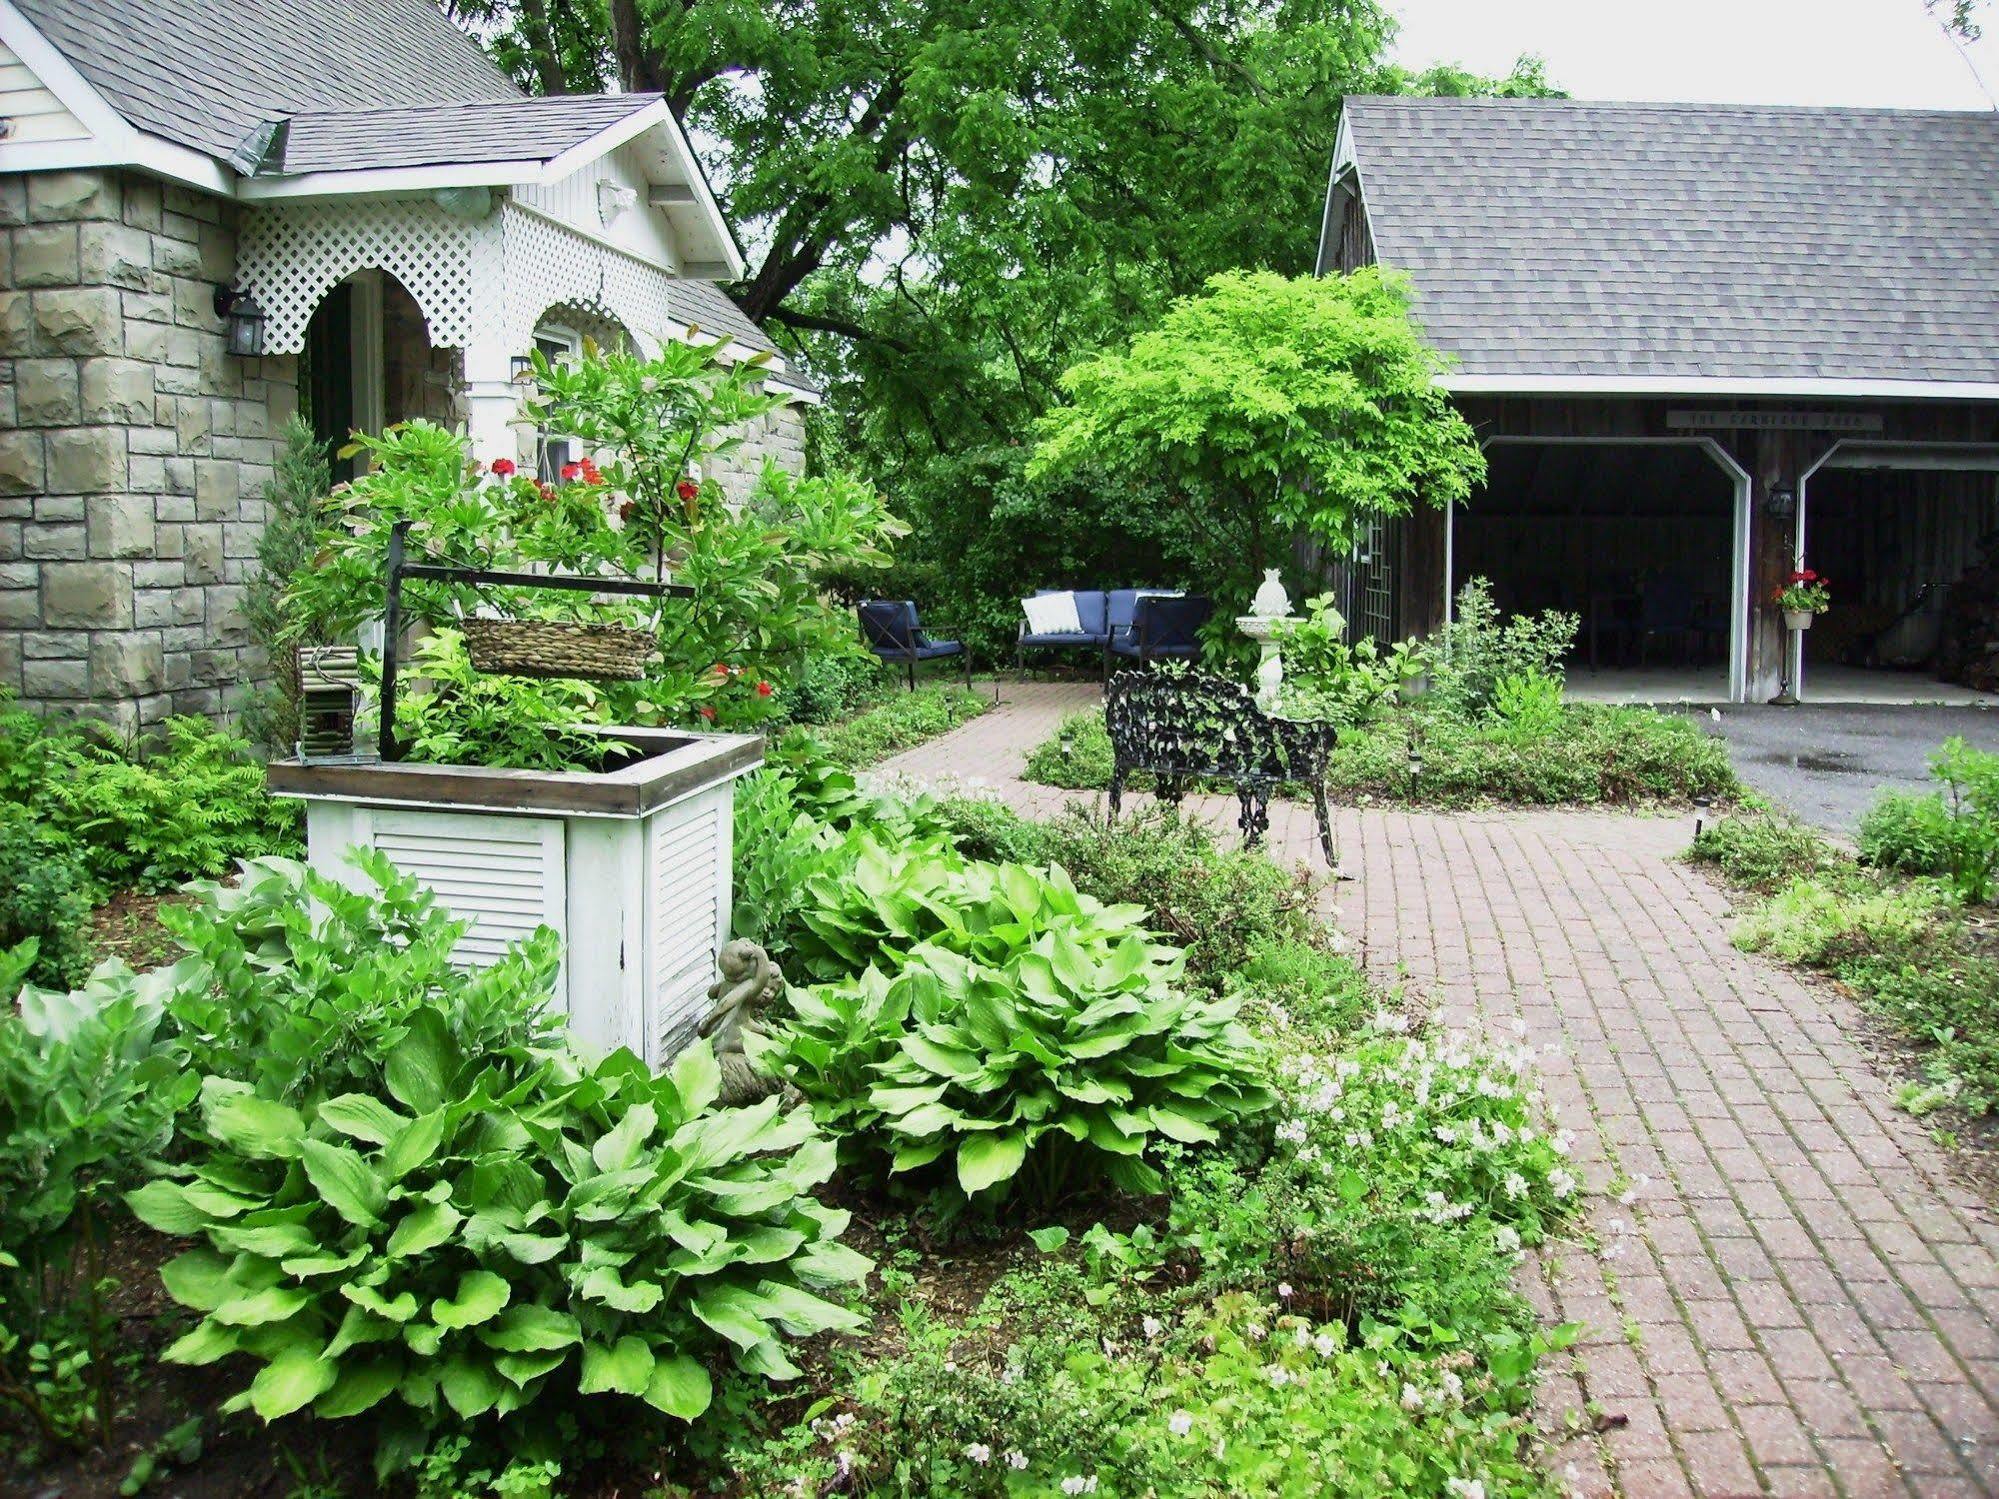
[749, 981]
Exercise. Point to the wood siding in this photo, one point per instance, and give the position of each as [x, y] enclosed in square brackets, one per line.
[32, 112]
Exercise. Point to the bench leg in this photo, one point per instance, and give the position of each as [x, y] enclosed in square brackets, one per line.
[1116, 794]
[1254, 800]
[1326, 845]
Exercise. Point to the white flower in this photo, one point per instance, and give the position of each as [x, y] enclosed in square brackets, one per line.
[1180, 1423]
[1464, 1488]
[1075, 1484]
[1016, 1459]
[1324, 1345]
[1446, 1133]
[979, 1453]
[1302, 1336]
[1153, 1327]
[1412, 1398]
[1506, 1238]
[1284, 1290]
[1278, 1375]
[1561, 1182]
[1453, 1386]
[1515, 1184]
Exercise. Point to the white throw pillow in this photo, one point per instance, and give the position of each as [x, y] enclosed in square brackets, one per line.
[1052, 614]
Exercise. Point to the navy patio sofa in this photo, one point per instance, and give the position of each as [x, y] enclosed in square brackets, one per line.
[1140, 624]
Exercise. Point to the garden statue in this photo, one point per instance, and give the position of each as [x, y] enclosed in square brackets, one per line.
[1268, 612]
[749, 981]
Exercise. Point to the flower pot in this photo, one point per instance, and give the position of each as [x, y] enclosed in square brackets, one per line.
[1797, 619]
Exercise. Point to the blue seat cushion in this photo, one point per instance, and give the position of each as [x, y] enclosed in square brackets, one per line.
[1121, 606]
[1126, 644]
[1056, 642]
[930, 650]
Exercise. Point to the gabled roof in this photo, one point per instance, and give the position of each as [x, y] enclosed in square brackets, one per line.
[1560, 244]
[206, 73]
[419, 135]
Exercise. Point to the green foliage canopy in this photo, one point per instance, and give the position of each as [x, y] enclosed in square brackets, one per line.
[1279, 407]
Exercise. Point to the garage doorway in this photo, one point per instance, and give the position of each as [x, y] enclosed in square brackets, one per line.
[1642, 540]
[1908, 535]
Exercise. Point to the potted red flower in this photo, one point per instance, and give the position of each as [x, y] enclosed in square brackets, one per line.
[1803, 594]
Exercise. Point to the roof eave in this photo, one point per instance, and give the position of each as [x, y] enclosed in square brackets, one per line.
[1457, 382]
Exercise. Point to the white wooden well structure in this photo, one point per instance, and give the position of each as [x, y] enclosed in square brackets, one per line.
[630, 866]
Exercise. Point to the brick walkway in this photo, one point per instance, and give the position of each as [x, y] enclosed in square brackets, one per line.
[1801, 1302]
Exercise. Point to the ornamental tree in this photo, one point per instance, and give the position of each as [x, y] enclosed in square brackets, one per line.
[1279, 407]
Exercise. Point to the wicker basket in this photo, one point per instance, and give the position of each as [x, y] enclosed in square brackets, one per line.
[554, 648]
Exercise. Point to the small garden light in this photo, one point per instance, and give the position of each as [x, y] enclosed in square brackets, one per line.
[1415, 762]
[1702, 804]
[1068, 743]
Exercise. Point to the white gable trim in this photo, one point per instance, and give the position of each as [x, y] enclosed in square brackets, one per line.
[113, 141]
[386, 182]
[1681, 385]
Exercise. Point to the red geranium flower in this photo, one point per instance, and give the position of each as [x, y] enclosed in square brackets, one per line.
[547, 491]
[504, 466]
[687, 489]
[591, 473]
[707, 711]
[571, 472]
[764, 689]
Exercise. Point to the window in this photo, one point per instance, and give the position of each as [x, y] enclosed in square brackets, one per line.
[557, 345]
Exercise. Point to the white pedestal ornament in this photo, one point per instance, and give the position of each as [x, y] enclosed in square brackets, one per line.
[1269, 613]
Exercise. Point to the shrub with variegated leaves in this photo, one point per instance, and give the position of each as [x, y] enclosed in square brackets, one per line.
[493, 1234]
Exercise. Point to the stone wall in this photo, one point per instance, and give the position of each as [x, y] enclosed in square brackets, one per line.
[778, 434]
[133, 449]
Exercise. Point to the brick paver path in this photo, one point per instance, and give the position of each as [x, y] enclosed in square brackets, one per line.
[1801, 1300]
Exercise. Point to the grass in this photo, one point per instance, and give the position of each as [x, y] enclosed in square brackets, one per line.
[1594, 755]
[899, 723]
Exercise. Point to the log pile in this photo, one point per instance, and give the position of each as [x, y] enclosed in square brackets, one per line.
[1969, 650]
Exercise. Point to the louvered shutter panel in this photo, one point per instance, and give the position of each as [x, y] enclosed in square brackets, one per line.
[689, 875]
[502, 874]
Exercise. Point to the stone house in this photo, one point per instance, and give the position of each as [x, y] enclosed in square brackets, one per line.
[214, 217]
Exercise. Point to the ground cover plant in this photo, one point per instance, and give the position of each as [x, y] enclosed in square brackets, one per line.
[1912, 947]
[1952, 832]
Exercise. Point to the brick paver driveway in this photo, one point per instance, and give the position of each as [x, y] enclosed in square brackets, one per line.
[1800, 1300]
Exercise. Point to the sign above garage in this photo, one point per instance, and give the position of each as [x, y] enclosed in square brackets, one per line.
[1774, 421]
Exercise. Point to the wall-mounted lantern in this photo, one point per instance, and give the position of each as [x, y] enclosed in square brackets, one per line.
[1781, 502]
[243, 321]
[520, 369]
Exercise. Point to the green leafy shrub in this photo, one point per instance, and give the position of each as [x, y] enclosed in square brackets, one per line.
[1006, 1023]
[832, 684]
[987, 828]
[1762, 850]
[462, 716]
[1311, 985]
[1330, 678]
[899, 723]
[89, 1089]
[153, 815]
[1478, 651]
[44, 896]
[478, 1236]
[295, 502]
[299, 986]
[1953, 832]
[1222, 905]
[1077, 756]
[1527, 706]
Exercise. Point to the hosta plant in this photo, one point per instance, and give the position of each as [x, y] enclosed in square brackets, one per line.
[1039, 1039]
[490, 1237]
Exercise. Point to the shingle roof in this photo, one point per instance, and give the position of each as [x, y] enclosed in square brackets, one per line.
[206, 73]
[1559, 237]
[435, 134]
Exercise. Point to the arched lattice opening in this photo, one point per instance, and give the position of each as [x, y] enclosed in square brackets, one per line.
[369, 362]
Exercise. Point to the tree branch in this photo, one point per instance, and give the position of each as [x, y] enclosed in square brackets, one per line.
[813, 322]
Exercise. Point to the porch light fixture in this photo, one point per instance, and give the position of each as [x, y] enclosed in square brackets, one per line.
[520, 368]
[242, 321]
[1782, 502]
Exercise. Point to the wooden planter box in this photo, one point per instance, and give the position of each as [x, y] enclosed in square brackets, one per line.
[630, 866]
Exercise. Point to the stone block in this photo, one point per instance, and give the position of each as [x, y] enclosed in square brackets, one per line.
[55, 679]
[17, 323]
[191, 424]
[115, 255]
[17, 507]
[121, 525]
[203, 559]
[147, 341]
[59, 196]
[226, 623]
[12, 539]
[46, 393]
[63, 541]
[87, 595]
[81, 320]
[148, 306]
[20, 462]
[19, 575]
[13, 201]
[176, 257]
[86, 460]
[60, 645]
[20, 609]
[142, 204]
[45, 255]
[54, 508]
[158, 575]
[117, 390]
[194, 306]
[218, 253]
[218, 488]
[125, 665]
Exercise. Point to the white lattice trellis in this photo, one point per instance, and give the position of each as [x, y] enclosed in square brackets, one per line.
[483, 282]
[291, 255]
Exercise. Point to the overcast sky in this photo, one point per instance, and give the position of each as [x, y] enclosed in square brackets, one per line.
[1888, 53]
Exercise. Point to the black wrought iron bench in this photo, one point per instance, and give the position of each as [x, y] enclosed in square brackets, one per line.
[1184, 726]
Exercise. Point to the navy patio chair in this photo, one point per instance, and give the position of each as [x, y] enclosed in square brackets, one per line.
[893, 632]
[1163, 628]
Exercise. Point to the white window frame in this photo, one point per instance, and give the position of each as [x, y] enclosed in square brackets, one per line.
[560, 344]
